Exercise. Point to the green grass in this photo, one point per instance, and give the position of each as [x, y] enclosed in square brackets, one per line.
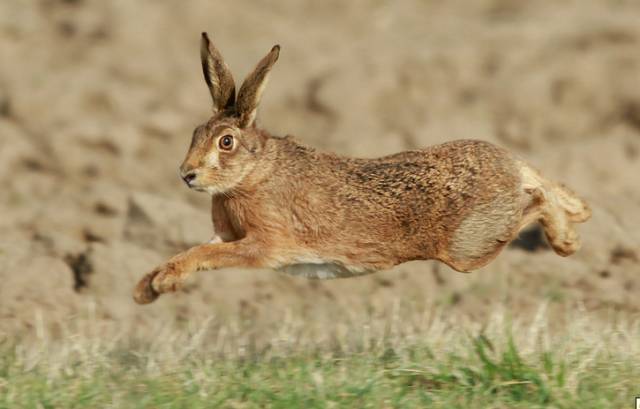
[413, 377]
[503, 365]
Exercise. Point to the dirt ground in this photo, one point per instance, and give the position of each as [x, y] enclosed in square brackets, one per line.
[98, 101]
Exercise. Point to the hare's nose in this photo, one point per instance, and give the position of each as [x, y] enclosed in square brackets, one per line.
[188, 177]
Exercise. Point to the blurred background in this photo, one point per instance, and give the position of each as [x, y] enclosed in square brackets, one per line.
[98, 101]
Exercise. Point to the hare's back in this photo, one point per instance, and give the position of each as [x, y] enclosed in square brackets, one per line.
[458, 200]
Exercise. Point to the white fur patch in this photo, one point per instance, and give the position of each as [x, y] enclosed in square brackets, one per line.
[321, 270]
[212, 159]
[215, 240]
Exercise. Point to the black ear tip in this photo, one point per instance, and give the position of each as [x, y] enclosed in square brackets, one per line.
[276, 48]
[205, 35]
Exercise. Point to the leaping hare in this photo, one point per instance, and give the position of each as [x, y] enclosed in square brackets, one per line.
[282, 205]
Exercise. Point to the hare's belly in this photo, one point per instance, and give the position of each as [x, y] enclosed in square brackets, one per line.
[322, 270]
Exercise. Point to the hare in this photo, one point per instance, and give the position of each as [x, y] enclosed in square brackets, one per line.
[281, 205]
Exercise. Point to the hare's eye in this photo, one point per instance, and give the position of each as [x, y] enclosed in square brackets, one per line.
[226, 142]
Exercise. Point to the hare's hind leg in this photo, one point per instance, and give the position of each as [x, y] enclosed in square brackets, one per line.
[556, 224]
[556, 208]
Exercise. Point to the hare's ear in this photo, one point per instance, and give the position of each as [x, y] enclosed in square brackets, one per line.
[217, 75]
[252, 87]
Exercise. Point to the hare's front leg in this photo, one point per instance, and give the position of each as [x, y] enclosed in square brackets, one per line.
[170, 276]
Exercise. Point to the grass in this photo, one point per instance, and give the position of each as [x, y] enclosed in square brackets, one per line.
[440, 364]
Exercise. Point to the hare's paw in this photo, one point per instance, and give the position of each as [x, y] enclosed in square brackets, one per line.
[163, 279]
[566, 243]
[168, 279]
[144, 292]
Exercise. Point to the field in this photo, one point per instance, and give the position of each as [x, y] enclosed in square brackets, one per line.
[98, 101]
[431, 361]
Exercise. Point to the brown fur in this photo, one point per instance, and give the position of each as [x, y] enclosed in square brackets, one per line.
[282, 205]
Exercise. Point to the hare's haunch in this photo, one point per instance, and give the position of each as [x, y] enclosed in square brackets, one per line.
[281, 205]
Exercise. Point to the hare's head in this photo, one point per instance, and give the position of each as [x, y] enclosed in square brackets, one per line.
[225, 148]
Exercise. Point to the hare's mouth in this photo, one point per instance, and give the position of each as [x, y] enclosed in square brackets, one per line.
[212, 190]
[193, 180]
[196, 185]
